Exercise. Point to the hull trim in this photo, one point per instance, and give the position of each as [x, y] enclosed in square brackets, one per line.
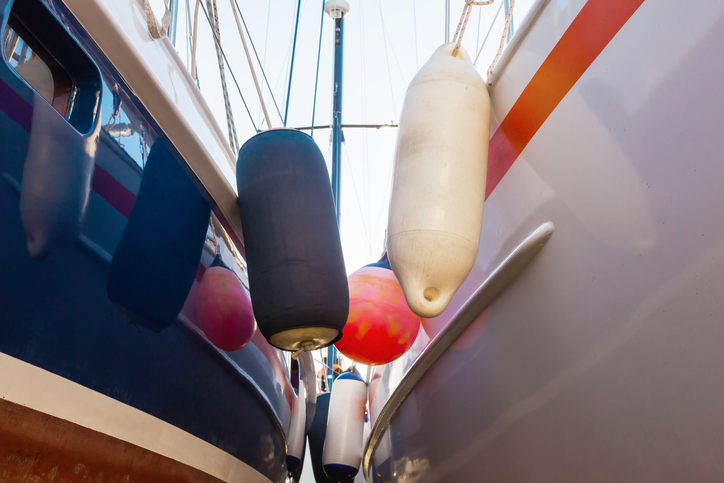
[44, 392]
[502, 276]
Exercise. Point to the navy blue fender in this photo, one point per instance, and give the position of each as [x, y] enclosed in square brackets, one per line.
[64, 124]
[156, 261]
[316, 434]
[297, 277]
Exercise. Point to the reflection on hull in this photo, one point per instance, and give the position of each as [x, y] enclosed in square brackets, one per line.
[84, 392]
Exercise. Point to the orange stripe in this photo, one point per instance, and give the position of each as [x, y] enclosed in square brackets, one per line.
[589, 33]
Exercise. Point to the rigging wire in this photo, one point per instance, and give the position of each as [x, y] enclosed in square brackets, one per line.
[359, 204]
[477, 39]
[188, 32]
[231, 71]
[414, 23]
[316, 77]
[266, 38]
[365, 143]
[291, 68]
[488, 34]
[266, 34]
[386, 197]
[386, 33]
[257, 59]
[285, 62]
[251, 66]
[194, 70]
[387, 57]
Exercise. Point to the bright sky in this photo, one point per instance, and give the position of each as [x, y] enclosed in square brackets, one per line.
[385, 42]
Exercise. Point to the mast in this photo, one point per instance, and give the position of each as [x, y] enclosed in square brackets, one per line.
[336, 9]
[447, 21]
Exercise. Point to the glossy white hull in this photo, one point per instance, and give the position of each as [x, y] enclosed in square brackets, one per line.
[601, 361]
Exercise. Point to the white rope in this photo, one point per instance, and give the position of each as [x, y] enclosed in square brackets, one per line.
[231, 126]
[154, 30]
[188, 32]
[194, 74]
[251, 65]
[480, 51]
[502, 42]
[463, 23]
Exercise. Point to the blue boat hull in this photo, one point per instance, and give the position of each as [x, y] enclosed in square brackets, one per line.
[55, 313]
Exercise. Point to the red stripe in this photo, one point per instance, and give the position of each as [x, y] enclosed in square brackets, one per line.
[121, 198]
[200, 272]
[108, 187]
[16, 108]
[586, 37]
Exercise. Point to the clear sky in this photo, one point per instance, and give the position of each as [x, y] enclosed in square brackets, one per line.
[385, 42]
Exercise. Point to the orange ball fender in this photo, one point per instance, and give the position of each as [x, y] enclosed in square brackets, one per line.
[380, 327]
[223, 308]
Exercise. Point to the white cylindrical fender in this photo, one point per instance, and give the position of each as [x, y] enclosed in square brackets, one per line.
[441, 161]
[297, 431]
[342, 453]
[309, 376]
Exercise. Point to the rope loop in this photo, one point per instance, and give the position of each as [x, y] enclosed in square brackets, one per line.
[506, 29]
[463, 23]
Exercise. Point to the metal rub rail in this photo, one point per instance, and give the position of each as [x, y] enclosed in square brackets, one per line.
[498, 280]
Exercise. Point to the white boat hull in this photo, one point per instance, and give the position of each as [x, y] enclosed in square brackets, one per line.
[601, 361]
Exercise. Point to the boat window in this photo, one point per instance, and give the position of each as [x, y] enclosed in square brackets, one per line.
[36, 45]
[39, 69]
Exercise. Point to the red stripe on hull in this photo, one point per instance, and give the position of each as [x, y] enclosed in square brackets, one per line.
[200, 273]
[589, 33]
[108, 188]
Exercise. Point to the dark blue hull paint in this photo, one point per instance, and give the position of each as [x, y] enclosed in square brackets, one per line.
[55, 314]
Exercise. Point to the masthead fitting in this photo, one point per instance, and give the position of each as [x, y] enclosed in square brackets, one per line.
[336, 8]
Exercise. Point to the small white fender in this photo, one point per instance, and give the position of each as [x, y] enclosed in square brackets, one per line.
[309, 377]
[441, 160]
[297, 431]
[342, 453]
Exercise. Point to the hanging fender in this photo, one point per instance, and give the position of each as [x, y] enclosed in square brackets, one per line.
[61, 153]
[309, 376]
[156, 260]
[345, 427]
[223, 308]
[56, 188]
[297, 432]
[380, 327]
[294, 256]
[436, 209]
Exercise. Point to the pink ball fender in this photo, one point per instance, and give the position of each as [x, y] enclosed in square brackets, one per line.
[223, 308]
[380, 327]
